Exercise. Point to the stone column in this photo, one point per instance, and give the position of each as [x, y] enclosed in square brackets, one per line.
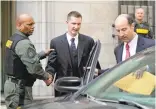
[0, 53]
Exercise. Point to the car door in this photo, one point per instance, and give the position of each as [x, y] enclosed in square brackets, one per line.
[91, 63]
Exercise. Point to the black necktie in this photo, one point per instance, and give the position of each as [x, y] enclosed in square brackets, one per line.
[73, 46]
[74, 57]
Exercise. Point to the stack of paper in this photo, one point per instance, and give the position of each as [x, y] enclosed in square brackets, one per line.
[144, 85]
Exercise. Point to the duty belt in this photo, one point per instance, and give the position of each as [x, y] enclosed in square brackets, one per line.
[20, 82]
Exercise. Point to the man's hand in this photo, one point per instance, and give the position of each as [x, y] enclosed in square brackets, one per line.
[96, 70]
[139, 73]
[49, 80]
[48, 51]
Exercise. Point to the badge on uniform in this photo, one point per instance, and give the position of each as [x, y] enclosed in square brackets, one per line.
[9, 43]
[142, 31]
[18, 107]
[31, 52]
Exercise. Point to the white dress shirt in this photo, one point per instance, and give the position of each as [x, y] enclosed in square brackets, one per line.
[69, 37]
[132, 47]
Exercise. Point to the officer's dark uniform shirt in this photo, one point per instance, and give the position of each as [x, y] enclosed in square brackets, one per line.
[27, 54]
[143, 29]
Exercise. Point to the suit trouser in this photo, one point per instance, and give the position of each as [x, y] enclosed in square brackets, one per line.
[12, 96]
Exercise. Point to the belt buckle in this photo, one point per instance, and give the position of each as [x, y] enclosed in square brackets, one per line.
[21, 83]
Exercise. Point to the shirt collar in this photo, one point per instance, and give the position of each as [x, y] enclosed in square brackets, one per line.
[140, 22]
[69, 37]
[133, 41]
[20, 33]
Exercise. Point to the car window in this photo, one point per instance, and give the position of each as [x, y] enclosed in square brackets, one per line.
[121, 83]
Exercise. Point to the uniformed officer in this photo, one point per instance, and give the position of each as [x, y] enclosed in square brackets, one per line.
[141, 27]
[22, 65]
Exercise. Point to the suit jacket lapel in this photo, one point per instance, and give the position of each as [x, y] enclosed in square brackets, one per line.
[65, 49]
[140, 44]
[80, 48]
[140, 47]
[120, 52]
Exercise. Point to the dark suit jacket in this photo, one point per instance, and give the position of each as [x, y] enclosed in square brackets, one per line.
[59, 61]
[142, 44]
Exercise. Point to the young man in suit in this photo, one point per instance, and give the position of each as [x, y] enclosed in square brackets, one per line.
[71, 50]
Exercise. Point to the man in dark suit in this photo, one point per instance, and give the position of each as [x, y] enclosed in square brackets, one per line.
[131, 42]
[71, 50]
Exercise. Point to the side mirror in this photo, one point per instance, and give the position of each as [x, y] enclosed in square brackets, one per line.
[68, 84]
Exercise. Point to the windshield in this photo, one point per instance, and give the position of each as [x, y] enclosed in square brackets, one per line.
[120, 82]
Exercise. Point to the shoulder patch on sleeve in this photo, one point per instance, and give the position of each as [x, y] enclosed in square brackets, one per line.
[9, 43]
[31, 52]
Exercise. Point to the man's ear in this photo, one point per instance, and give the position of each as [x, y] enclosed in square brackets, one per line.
[133, 25]
[18, 26]
[21, 27]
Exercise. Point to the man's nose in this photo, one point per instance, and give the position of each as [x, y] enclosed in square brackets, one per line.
[33, 27]
[76, 26]
[121, 33]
